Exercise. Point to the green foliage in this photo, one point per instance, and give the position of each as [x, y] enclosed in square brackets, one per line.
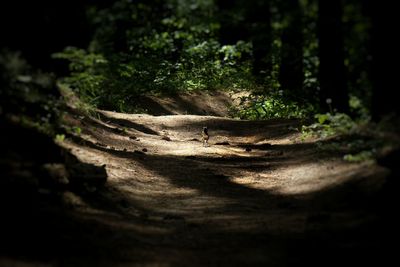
[70, 98]
[77, 130]
[329, 124]
[158, 46]
[44, 127]
[176, 50]
[360, 156]
[357, 29]
[60, 137]
[310, 49]
[274, 105]
[72, 130]
[87, 73]
[28, 96]
[352, 147]
[358, 108]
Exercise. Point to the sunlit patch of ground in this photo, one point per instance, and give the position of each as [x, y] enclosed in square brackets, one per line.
[160, 162]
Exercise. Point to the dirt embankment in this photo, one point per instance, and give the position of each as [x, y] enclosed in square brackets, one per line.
[208, 103]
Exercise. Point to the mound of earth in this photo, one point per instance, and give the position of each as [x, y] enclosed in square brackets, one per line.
[212, 103]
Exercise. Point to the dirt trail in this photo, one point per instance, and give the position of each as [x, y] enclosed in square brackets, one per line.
[256, 196]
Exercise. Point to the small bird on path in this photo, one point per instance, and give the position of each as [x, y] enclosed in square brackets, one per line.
[205, 136]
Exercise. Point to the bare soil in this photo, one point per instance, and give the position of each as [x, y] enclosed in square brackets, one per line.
[209, 103]
[256, 196]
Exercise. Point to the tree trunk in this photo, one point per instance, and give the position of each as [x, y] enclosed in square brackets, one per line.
[291, 74]
[332, 74]
[385, 58]
[231, 19]
[259, 16]
[248, 20]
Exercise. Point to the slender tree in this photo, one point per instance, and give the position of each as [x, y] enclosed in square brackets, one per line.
[259, 17]
[230, 17]
[385, 58]
[332, 74]
[291, 74]
[248, 20]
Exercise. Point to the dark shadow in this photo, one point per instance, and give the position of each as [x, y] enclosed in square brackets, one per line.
[90, 121]
[179, 103]
[265, 146]
[156, 108]
[206, 180]
[191, 108]
[221, 160]
[128, 124]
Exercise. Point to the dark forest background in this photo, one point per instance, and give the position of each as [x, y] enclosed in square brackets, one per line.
[298, 57]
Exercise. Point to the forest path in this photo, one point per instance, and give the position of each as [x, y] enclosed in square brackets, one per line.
[256, 195]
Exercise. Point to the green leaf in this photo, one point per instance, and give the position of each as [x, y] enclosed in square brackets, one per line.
[322, 118]
[60, 137]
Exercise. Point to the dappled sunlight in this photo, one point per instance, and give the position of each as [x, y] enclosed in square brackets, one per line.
[313, 177]
[187, 127]
[309, 178]
[198, 133]
[143, 185]
[245, 164]
[179, 176]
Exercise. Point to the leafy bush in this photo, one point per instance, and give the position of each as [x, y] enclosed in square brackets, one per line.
[273, 105]
[60, 137]
[28, 97]
[360, 156]
[358, 108]
[329, 124]
[87, 73]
